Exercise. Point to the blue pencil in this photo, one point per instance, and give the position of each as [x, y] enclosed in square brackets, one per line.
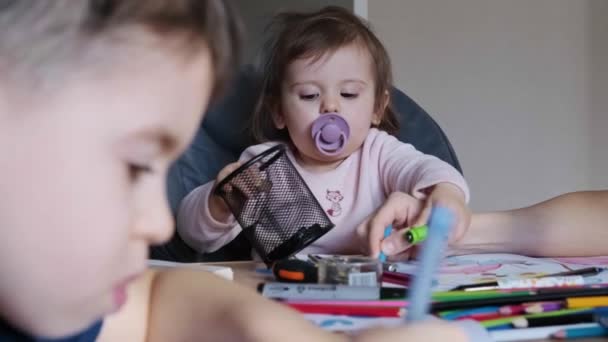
[501, 327]
[467, 312]
[440, 223]
[580, 332]
[387, 231]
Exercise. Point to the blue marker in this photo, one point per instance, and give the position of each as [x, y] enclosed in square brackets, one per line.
[440, 223]
[387, 231]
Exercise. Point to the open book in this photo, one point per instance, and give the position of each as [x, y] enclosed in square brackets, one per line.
[222, 271]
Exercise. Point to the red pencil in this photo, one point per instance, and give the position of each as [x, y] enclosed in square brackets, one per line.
[483, 316]
[508, 310]
[370, 311]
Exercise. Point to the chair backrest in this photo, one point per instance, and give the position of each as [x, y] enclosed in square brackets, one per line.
[223, 136]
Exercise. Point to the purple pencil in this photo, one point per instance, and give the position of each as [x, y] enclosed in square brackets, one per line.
[544, 307]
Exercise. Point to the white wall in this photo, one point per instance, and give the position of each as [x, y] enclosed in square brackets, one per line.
[515, 84]
[599, 92]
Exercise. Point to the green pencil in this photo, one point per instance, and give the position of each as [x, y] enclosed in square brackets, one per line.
[507, 320]
[450, 296]
[444, 303]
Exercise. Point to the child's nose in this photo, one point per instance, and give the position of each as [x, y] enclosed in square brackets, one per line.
[155, 225]
[330, 105]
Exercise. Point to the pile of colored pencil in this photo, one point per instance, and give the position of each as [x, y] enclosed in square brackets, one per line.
[522, 309]
[561, 312]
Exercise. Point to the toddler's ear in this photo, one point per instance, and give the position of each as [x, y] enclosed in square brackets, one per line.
[278, 119]
[378, 115]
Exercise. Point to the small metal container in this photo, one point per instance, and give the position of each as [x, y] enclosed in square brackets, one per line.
[350, 270]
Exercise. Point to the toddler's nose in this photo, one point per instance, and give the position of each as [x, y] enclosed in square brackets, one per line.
[330, 106]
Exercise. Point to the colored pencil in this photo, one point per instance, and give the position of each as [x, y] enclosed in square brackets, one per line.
[452, 315]
[509, 320]
[531, 307]
[535, 322]
[580, 333]
[504, 335]
[466, 296]
[374, 303]
[588, 271]
[481, 317]
[598, 312]
[585, 272]
[573, 303]
[593, 290]
[518, 297]
[543, 307]
[420, 294]
[508, 310]
[367, 311]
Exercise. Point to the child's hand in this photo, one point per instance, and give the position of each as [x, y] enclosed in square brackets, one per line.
[217, 207]
[449, 196]
[246, 185]
[400, 210]
[444, 194]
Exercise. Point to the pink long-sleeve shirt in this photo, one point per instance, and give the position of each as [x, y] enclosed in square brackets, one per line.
[348, 194]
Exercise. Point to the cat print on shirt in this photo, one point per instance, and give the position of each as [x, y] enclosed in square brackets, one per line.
[335, 197]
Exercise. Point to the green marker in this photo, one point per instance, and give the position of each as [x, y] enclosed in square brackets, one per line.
[416, 234]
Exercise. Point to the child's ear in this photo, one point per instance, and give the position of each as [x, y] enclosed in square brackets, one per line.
[277, 118]
[379, 114]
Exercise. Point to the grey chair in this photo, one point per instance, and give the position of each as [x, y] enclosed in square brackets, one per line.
[223, 136]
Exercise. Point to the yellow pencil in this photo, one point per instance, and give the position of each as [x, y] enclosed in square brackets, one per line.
[584, 302]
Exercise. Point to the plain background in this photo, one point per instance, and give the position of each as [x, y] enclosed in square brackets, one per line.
[519, 86]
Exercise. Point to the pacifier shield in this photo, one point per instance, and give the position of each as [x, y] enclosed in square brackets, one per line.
[330, 133]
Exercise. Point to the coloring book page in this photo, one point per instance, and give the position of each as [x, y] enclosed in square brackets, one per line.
[481, 268]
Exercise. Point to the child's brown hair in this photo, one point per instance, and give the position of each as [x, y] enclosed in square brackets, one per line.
[298, 35]
[41, 41]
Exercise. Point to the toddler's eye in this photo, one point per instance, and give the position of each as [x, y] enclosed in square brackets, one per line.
[137, 170]
[309, 97]
[349, 95]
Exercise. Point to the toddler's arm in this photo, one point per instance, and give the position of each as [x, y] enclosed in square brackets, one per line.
[403, 168]
[198, 227]
[204, 221]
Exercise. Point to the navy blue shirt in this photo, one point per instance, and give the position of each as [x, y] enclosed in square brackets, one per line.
[8, 333]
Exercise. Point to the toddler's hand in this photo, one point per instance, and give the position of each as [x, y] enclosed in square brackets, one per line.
[245, 186]
[217, 207]
[400, 210]
[443, 194]
[449, 196]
